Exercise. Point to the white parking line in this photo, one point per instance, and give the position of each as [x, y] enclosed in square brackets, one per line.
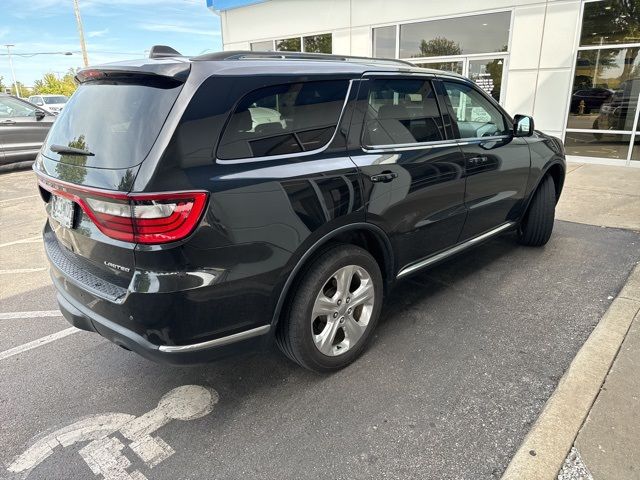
[38, 343]
[22, 270]
[34, 314]
[18, 198]
[24, 240]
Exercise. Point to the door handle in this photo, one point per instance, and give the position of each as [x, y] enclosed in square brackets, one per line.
[8, 122]
[477, 160]
[384, 177]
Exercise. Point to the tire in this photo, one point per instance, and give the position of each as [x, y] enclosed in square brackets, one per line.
[322, 343]
[537, 224]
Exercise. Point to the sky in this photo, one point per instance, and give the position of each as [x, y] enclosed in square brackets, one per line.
[114, 30]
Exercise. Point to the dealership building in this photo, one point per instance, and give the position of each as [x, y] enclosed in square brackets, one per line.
[573, 65]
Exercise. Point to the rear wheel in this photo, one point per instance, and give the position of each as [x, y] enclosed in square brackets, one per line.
[537, 224]
[333, 311]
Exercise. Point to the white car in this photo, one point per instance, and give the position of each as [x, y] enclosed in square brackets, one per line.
[50, 103]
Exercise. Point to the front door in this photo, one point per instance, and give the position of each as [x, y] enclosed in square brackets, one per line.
[411, 168]
[496, 163]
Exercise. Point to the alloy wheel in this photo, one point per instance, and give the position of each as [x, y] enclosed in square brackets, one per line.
[342, 310]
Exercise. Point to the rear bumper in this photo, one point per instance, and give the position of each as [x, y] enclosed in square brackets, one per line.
[192, 354]
[183, 319]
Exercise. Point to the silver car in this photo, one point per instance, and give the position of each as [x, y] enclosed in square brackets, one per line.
[23, 128]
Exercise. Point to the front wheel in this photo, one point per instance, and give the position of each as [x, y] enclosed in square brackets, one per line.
[333, 311]
[537, 224]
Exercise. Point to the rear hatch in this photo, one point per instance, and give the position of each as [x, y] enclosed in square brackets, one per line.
[87, 167]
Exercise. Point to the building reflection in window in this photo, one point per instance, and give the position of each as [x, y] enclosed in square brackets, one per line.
[606, 86]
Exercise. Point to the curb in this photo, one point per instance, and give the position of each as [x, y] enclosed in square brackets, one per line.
[547, 444]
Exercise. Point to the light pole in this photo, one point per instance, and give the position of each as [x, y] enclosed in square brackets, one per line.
[83, 47]
[13, 73]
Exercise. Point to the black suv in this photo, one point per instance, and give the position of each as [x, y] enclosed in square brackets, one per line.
[198, 206]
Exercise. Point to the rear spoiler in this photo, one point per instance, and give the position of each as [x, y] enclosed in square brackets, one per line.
[175, 69]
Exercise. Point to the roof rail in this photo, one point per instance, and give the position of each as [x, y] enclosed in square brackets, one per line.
[163, 51]
[248, 55]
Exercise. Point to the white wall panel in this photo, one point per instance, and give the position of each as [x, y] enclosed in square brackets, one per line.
[520, 88]
[361, 41]
[341, 42]
[526, 37]
[551, 99]
[559, 35]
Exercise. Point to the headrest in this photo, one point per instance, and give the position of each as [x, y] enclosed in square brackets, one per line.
[397, 112]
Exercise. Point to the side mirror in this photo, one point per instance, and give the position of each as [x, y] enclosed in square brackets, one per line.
[40, 114]
[522, 126]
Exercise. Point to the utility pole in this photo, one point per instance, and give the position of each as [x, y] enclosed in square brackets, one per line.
[83, 47]
[13, 73]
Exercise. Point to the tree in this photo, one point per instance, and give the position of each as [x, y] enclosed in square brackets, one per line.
[318, 43]
[439, 47]
[2, 86]
[71, 168]
[24, 91]
[289, 45]
[608, 23]
[50, 84]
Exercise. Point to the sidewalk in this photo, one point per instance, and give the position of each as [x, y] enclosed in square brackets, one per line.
[590, 427]
[601, 195]
[608, 444]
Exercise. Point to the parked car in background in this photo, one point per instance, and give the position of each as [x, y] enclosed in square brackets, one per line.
[51, 103]
[617, 113]
[589, 100]
[23, 128]
[202, 206]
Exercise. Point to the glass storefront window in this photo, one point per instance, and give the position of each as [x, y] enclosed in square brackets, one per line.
[635, 154]
[262, 46]
[289, 45]
[384, 42]
[318, 43]
[605, 89]
[597, 144]
[611, 22]
[456, 36]
[488, 75]
[453, 67]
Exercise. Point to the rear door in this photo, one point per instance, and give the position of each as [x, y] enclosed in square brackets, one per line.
[21, 131]
[411, 167]
[496, 163]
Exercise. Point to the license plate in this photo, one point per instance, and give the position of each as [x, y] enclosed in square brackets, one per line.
[62, 210]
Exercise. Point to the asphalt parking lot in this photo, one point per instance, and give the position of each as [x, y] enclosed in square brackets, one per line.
[464, 358]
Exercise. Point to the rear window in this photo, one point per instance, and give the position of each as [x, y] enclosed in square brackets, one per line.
[117, 122]
[283, 119]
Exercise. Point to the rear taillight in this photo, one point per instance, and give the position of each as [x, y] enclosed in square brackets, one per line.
[148, 218]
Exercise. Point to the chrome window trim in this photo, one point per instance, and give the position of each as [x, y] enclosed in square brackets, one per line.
[217, 342]
[292, 155]
[402, 147]
[412, 146]
[420, 264]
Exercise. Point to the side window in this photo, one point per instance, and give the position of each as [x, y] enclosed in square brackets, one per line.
[475, 115]
[281, 119]
[400, 112]
[12, 108]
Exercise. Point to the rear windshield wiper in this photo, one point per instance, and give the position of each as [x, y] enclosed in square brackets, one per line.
[70, 150]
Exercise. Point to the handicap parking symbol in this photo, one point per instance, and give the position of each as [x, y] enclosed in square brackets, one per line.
[107, 455]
